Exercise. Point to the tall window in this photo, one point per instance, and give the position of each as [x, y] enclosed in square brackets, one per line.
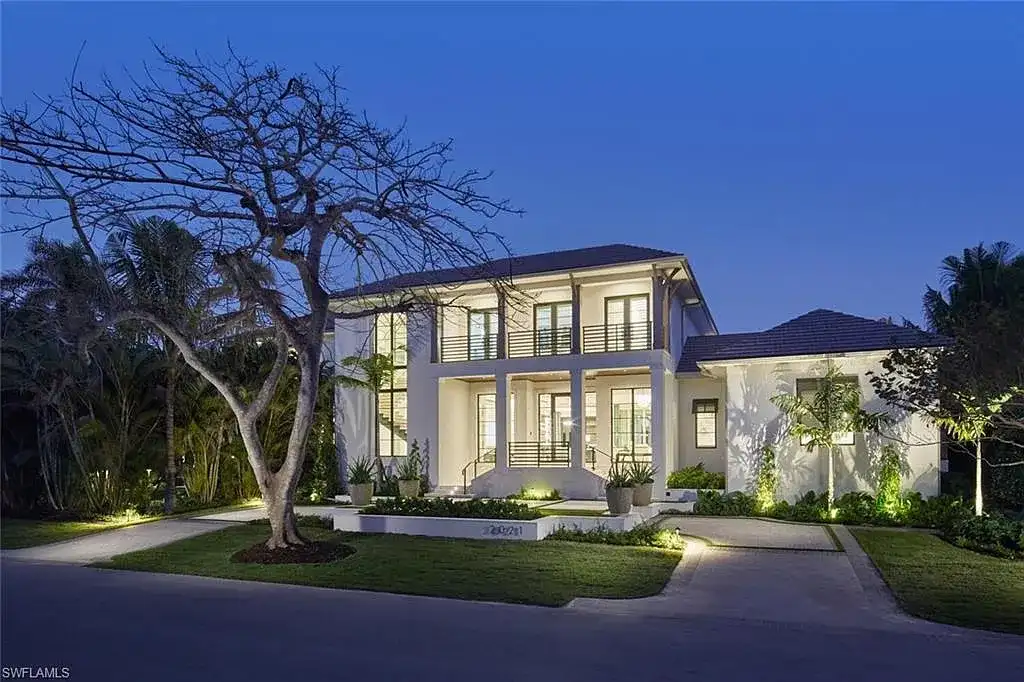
[705, 417]
[631, 421]
[389, 338]
[552, 324]
[808, 389]
[626, 322]
[486, 424]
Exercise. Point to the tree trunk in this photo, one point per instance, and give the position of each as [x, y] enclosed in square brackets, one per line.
[831, 481]
[284, 530]
[977, 478]
[171, 471]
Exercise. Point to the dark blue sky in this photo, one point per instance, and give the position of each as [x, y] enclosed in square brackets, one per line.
[803, 156]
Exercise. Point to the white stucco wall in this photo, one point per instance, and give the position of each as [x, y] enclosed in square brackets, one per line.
[752, 421]
[455, 425]
[353, 413]
[687, 453]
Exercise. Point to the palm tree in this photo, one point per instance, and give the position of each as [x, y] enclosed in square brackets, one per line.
[377, 370]
[165, 269]
[984, 278]
[819, 421]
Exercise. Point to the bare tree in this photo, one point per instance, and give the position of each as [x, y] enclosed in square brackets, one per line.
[269, 169]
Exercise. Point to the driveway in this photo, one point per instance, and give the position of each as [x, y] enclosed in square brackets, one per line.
[102, 546]
[772, 572]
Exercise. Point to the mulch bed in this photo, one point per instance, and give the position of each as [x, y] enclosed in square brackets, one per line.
[314, 552]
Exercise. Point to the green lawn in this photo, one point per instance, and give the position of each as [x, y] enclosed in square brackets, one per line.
[570, 512]
[18, 533]
[545, 573]
[935, 580]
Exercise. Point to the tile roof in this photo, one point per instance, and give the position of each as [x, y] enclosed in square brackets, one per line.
[517, 266]
[819, 331]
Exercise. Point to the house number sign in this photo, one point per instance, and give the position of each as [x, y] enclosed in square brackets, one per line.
[507, 530]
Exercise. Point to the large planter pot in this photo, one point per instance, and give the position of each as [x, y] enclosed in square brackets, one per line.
[642, 494]
[409, 488]
[620, 500]
[361, 493]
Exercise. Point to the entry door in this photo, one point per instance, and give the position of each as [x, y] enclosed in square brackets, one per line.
[555, 422]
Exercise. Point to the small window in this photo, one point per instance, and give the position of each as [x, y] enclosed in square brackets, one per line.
[807, 388]
[705, 415]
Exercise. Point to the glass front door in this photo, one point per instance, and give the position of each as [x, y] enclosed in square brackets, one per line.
[631, 423]
[555, 418]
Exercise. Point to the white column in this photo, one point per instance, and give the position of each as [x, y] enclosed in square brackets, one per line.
[501, 421]
[658, 317]
[660, 421]
[578, 424]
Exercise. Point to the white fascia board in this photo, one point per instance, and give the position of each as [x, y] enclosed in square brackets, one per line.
[771, 359]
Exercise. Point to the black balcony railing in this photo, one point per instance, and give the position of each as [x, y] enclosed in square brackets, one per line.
[607, 338]
[462, 348]
[538, 454]
[534, 342]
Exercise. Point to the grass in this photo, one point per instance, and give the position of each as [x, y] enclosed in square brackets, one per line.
[21, 533]
[542, 573]
[933, 579]
[570, 512]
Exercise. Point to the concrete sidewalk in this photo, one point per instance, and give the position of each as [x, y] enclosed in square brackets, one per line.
[254, 513]
[104, 545]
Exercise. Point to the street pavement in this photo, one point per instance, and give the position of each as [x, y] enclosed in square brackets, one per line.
[114, 625]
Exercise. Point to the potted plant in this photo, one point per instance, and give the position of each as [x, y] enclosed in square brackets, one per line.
[360, 482]
[409, 473]
[619, 491]
[642, 476]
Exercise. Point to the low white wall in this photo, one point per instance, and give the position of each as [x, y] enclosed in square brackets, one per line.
[482, 529]
[577, 484]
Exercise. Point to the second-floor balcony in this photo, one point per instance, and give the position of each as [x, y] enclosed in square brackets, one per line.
[606, 338]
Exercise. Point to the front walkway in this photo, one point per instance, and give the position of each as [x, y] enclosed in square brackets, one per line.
[104, 545]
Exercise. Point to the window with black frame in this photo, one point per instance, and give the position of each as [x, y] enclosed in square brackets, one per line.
[389, 339]
[705, 422]
[631, 424]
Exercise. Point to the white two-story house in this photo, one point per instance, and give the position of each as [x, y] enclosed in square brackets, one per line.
[596, 355]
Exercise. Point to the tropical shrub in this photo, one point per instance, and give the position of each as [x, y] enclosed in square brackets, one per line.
[449, 508]
[641, 473]
[409, 469]
[619, 478]
[857, 508]
[714, 503]
[994, 535]
[767, 482]
[535, 494]
[644, 535]
[360, 472]
[696, 477]
[942, 511]
[888, 502]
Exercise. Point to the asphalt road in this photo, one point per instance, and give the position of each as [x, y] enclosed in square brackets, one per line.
[111, 625]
